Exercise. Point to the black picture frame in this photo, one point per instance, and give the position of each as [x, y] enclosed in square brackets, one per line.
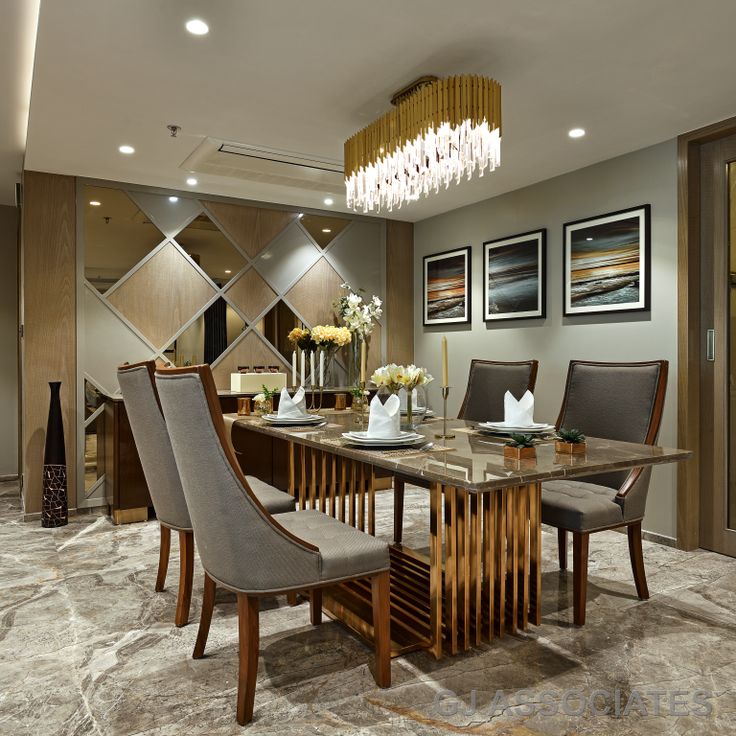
[624, 263]
[456, 260]
[529, 272]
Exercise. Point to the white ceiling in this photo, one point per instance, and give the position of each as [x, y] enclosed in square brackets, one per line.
[18, 22]
[303, 76]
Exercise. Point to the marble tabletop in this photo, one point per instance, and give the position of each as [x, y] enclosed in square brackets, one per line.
[471, 460]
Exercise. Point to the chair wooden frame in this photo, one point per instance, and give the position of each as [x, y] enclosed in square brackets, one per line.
[400, 481]
[249, 603]
[186, 536]
[580, 540]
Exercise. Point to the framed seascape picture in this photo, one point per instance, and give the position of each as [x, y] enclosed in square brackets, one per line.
[447, 287]
[515, 275]
[607, 263]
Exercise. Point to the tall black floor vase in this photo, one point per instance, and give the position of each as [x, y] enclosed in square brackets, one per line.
[54, 509]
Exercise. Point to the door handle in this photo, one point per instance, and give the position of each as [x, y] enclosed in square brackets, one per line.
[710, 345]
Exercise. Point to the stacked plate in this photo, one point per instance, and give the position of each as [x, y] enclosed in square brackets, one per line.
[427, 414]
[278, 421]
[503, 428]
[404, 439]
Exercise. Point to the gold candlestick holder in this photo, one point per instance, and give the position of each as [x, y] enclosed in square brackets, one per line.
[314, 406]
[361, 405]
[444, 435]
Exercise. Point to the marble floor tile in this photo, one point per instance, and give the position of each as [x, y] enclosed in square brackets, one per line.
[87, 647]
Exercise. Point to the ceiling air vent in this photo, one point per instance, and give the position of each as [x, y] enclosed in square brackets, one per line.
[267, 165]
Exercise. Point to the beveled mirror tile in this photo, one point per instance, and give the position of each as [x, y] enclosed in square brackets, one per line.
[250, 293]
[163, 295]
[276, 325]
[211, 250]
[287, 258]
[117, 235]
[323, 230]
[170, 212]
[358, 258]
[252, 228]
[208, 336]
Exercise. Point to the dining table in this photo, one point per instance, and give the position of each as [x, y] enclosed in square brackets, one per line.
[479, 576]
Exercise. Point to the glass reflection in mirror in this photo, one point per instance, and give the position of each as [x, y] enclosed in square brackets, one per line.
[93, 399]
[323, 230]
[207, 337]
[276, 325]
[94, 435]
[211, 250]
[117, 235]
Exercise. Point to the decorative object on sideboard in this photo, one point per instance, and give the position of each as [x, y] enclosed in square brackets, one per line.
[514, 277]
[244, 407]
[54, 508]
[440, 131]
[520, 447]
[608, 263]
[570, 442]
[447, 288]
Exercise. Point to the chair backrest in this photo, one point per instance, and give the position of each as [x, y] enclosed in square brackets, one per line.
[489, 380]
[153, 444]
[617, 401]
[240, 544]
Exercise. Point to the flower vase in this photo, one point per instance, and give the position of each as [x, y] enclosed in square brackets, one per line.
[54, 506]
[416, 408]
[329, 378]
[354, 360]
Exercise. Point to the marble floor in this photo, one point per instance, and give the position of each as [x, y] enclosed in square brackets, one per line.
[87, 647]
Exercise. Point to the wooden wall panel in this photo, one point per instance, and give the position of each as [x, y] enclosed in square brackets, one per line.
[399, 291]
[251, 294]
[252, 228]
[162, 295]
[313, 294]
[49, 320]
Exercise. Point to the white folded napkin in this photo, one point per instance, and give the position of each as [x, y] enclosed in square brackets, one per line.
[402, 398]
[518, 413]
[384, 420]
[295, 408]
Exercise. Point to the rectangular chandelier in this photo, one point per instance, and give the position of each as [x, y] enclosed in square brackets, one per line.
[439, 131]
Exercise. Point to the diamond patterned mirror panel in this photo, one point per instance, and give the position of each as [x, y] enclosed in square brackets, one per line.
[323, 229]
[94, 451]
[170, 213]
[287, 258]
[93, 399]
[117, 235]
[207, 338]
[278, 322]
[211, 250]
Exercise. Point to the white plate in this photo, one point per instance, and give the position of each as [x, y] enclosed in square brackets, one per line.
[504, 425]
[360, 438]
[309, 419]
[427, 414]
[503, 429]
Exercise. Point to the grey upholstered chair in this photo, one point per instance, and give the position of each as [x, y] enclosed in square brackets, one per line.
[247, 550]
[488, 381]
[618, 401]
[162, 477]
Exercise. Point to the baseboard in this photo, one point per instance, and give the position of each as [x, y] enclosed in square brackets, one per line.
[8, 478]
[659, 538]
[91, 511]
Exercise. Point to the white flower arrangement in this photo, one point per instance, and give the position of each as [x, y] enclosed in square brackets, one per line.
[259, 398]
[359, 316]
[395, 377]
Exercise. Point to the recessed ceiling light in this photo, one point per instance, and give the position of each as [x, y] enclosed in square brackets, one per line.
[95, 203]
[228, 271]
[197, 27]
[576, 132]
[266, 256]
[326, 230]
[301, 214]
[589, 238]
[329, 201]
[126, 149]
[192, 181]
[173, 199]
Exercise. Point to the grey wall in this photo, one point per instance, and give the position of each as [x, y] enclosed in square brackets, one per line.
[646, 176]
[8, 342]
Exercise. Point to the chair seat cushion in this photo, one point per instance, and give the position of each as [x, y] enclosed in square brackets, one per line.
[578, 506]
[345, 551]
[273, 500]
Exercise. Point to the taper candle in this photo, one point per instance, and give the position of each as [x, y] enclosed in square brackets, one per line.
[311, 368]
[445, 370]
[321, 368]
[362, 361]
[293, 368]
[304, 369]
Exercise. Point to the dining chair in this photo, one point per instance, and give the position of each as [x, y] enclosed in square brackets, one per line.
[301, 550]
[162, 478]
[488, 382]
[617, 401]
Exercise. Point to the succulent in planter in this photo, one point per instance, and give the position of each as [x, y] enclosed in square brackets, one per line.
[571, 441]
[520, 446]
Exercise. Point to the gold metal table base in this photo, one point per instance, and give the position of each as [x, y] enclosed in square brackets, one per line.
[481, 580]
